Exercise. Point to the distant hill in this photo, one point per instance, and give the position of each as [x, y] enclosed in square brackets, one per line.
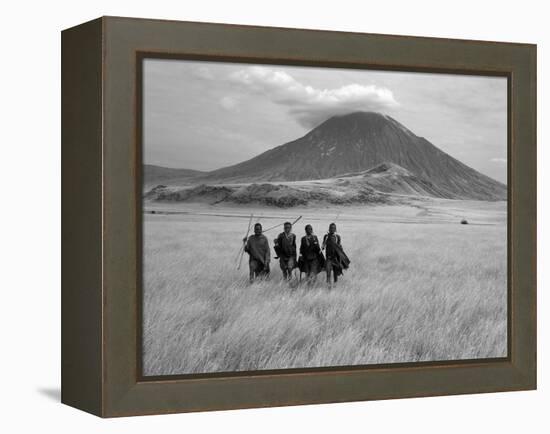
[283, 195]
[154, 175]
[386, 183]
[356, 142]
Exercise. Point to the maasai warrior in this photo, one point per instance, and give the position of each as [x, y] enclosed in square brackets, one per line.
[311, 259]
[337, 260]
[285, 248]
[257, 248]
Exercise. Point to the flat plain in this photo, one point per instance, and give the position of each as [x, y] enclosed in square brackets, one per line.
[421, 287]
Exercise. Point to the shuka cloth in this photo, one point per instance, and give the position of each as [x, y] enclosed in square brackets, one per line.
[339, 261]
[257, 247]
[285, 245]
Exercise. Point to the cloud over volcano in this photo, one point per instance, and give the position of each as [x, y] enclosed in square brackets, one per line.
[310, 105]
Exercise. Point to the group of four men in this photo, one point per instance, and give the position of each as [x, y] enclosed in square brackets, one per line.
[311, 260]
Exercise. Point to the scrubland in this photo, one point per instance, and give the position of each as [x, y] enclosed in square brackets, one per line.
[421, 287]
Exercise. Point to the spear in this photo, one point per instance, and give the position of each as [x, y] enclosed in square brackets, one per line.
[280, 224]
[241, 252]
[296, 221]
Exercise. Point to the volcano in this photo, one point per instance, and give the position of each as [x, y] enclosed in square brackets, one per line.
[359, 142]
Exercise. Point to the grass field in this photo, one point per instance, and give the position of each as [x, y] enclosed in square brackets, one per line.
[421, 287]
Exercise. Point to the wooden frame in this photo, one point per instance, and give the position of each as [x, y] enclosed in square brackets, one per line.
[101, 169]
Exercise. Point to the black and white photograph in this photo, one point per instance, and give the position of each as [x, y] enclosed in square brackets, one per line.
[301, 217]
[290, 217]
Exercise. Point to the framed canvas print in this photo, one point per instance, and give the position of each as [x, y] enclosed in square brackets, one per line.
[259, 216]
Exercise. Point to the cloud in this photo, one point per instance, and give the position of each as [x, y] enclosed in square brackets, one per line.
[203, 72]
[309, 105]
[229, 103]
[499, 160]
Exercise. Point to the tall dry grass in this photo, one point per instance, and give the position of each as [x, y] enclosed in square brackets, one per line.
[414, 292]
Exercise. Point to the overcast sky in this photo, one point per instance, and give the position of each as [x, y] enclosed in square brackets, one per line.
[207, 115]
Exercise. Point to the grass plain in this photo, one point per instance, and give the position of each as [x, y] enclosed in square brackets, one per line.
[421, 287]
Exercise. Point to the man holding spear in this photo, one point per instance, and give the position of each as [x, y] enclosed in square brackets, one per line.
[285, 248]
[311, 259]
[257, 248]
[337, 260]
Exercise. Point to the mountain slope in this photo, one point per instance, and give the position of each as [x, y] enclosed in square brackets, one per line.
[393, 179]
[357, 142]
[157, 174]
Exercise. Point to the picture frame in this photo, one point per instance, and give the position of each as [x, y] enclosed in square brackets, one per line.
[101, 216]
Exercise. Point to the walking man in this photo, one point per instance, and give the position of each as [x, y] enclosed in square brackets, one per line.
[311, 258]
[285, 248]
[336, 260]
[257, 248]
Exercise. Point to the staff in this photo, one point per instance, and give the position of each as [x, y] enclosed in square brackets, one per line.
[280, 224]
[241, 251]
